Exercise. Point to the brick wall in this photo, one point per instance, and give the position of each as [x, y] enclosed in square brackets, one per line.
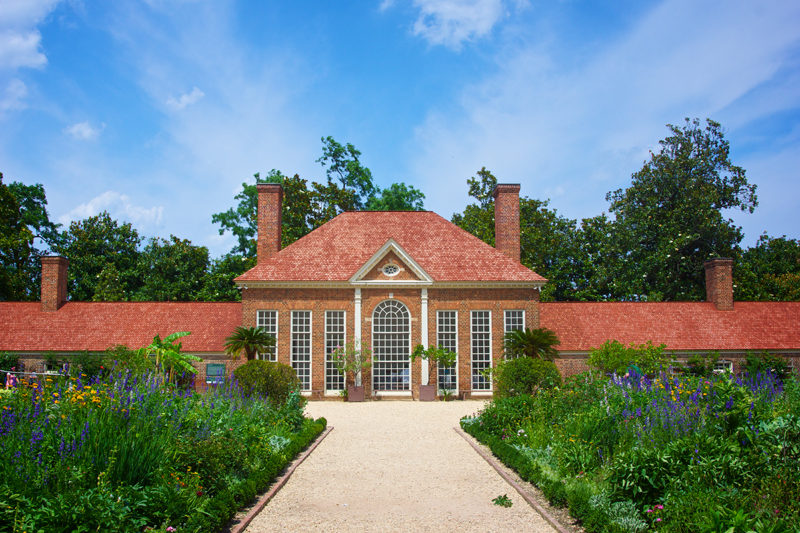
[54, 282]
[719, 283]
[270, 203]
[506, 219]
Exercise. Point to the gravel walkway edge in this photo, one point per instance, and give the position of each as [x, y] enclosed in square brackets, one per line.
[278, 485]
[522, 492]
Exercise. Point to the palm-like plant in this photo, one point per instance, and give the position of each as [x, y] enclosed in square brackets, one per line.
[250, 341]
[168, 355]
[534, 343]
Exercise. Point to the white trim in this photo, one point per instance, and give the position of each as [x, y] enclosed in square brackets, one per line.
[277, 323]
[505, 319]
[357, 317]
[455, 391]
[425, 370]
[346, 284]
[310, 344]
[391, 245]
[471, 348]
[481, 393]
[393, 393]
[372, 339]
[325, 346]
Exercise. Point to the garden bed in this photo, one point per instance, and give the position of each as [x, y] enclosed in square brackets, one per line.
[668, 454]
[130, 453]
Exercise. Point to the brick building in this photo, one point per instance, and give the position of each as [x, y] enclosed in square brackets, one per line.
[390, 281]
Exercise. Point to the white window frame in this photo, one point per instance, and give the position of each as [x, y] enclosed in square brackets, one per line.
[274, 355]
[472, 349]
[216, 381]
[722, 366]
[506, 325]
[344, 342]
[310, 361]
[392, 392]
[438, 343]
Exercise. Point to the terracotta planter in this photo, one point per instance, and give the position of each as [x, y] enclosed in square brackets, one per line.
[355, 394]
[427, 393]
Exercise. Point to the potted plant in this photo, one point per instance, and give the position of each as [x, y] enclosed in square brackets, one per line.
[352, 359]
[435, 355]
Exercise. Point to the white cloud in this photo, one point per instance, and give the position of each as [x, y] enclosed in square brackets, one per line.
[548, 120]
[451, 22]
[185, 100]
[83, 131]
[19, 38]
[119, 207]
[14, 95]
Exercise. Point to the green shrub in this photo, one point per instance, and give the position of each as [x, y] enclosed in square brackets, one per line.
[702, 365]
[613, 357]
[525, 376]
[265, 378]
[8, 361]
[765, 361]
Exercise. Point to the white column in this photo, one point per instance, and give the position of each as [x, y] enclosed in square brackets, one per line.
[357, 328]
[423, 319]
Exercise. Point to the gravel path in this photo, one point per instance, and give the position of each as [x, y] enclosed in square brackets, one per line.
[395, 466]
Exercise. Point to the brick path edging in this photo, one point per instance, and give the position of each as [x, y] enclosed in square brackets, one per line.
[536, 507]
[264, 500]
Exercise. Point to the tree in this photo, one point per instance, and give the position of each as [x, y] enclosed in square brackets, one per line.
[16, 248]
[168, 355]
[549, 243]
[344, 164]
[218, 285]
[769, 271]
[534, 343]
[91, 245]
[171, 270]
[669, 221]
[251, 341]
[398, 197]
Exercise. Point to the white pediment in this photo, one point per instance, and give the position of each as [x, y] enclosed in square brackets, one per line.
[391, 246]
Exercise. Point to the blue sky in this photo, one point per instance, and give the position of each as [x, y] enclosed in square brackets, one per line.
[158, 110]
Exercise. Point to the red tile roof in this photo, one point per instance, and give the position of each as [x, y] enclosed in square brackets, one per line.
[96, 326]
[679, 325]
[336, 250]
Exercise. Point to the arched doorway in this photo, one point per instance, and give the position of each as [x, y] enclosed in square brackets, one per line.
[391, 347]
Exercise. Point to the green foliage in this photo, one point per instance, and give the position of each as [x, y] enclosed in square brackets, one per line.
[123, 358]
[436, 356]
[398, 197]
[503, 501]
[702, 364]
[91, 245]
[218, 285]
[536, 343]
[669, 221]
[168, 356]
[770, 271]
[766, 362]
[90, 364]
[251, 341]
[525, 376]
[352, 359]
[614, 357]
[274, 381]
[16, 249]
[171, 270]
[8, 360]
[344, 165]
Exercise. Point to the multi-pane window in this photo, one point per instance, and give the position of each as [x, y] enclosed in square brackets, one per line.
[481, 334]
[334, 338]
[268, 321]
[301, 347]
[447, 337]
[514, 321]
[723, 366]
[391, 347]
[215, 373]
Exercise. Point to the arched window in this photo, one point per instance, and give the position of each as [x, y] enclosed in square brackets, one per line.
[391, 347]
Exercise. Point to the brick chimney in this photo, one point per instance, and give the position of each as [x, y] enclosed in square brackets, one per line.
[506, 219]
[719, 282]
[270, 204]
[54, 282]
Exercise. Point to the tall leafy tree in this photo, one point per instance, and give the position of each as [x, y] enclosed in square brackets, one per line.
[669, 221]
[397, 197]
[769, 271]
[91, 245]
[549, 243]
[343, 164]
[16, 248]
[218, 285]
[171, 270]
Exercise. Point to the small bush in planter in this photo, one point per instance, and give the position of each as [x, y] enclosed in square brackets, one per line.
[525, 376]
[265, 378]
